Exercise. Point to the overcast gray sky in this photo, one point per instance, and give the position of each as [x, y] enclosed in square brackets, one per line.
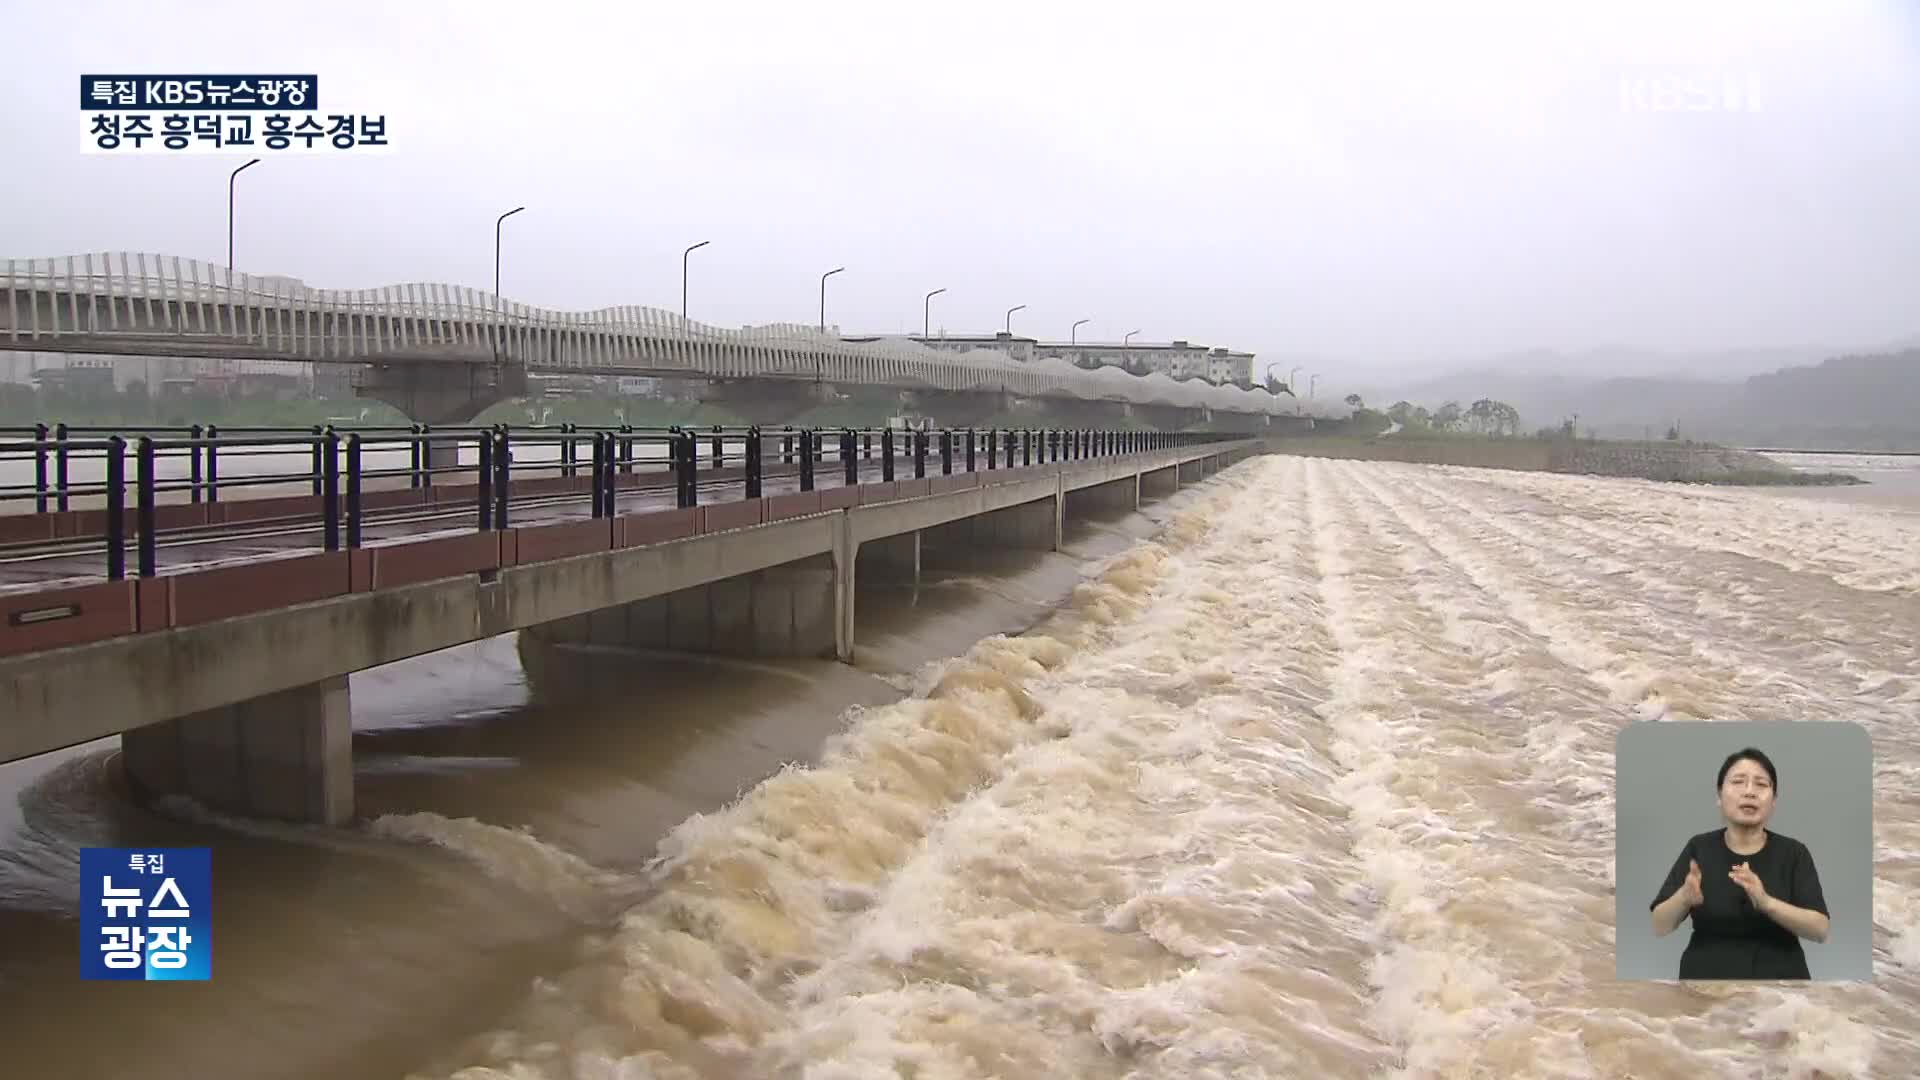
[1383, 183]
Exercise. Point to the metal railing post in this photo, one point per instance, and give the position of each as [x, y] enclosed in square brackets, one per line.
[193, 475]
[946, 452]
[144, 498]
[719, 448]
[413, 457]
[426, 456]
[886, 455]
[970, 434]
[502, 477]
[689, 476]
[116, 508]
[868, 438]
[213, 463]
[40, 469]
[1026, 446]
[599, 474]
[354, 514]
[919, 454]
[609, 482]
[60, 466]
[756, 450]
[786, 447]
[329, 446]
[806, 460]
[849, 464]
[486, 481]
[993, 449]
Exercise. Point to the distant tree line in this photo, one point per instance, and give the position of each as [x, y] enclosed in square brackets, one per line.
[1484, 417]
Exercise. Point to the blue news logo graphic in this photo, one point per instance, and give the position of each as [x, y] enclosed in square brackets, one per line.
[189, 92]
[146, 913]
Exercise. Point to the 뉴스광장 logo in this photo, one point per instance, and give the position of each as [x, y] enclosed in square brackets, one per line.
[146, 913]
[219, 114]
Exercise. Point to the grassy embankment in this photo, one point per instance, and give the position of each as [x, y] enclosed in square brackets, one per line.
[1681, 462]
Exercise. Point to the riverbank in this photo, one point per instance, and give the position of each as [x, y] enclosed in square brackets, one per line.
[1684, 463]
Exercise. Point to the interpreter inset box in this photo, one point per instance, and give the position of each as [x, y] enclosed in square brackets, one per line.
[1743, 851]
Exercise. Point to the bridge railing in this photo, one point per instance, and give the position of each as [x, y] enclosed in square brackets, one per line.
[137, 297]
[164, 487]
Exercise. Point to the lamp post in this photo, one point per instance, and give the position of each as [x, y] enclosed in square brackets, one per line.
[1126, 346]
[1290, 375]
[496, 251]
[235, 175]
[926, 314]
[823, 296]
[683, 276]
[1312, 382]
[1010, 311]
[1073, 334]
[496, 272]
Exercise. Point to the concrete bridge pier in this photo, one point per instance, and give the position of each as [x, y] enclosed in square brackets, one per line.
[441, 393]
[790, 610]
[287, 755]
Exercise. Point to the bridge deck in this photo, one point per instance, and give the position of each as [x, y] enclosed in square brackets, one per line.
[84, 562]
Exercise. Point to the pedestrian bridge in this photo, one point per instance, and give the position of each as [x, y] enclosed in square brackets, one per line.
[133, 304]
[224, 664]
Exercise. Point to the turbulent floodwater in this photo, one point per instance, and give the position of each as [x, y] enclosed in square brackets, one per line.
[1318, 782]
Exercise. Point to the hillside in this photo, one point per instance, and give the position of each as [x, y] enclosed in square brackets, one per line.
[1852, 402]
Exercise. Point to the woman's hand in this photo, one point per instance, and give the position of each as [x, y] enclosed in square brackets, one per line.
[1744, 877]
[1690, 888]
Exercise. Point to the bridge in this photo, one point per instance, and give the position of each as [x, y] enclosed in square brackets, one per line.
[444, 353]
[222, 659]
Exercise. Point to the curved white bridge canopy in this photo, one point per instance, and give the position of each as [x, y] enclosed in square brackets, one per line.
[134, 304]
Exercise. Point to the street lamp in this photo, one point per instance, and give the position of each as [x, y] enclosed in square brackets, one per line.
[1290, 375]
[926, 314]
[496, 251]
[1312, 381]
[1073, 335]
[496, 274]
[823, 296]
[1126, 345]
[683, 276]
[1010, 311]
[230, 179]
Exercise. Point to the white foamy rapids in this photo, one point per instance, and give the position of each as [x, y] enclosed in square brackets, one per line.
[1320, 784]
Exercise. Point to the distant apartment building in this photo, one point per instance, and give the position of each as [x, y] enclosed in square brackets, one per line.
[163, 375]
[1176, 359]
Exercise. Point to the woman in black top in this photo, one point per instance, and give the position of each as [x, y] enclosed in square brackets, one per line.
[1752, 894]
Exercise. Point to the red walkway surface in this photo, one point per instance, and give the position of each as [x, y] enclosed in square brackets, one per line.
[55, 593]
